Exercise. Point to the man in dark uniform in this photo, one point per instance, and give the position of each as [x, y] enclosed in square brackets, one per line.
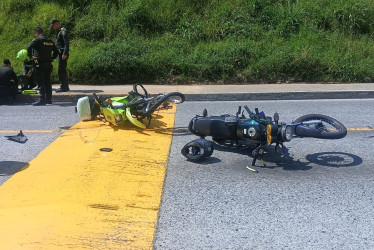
[46, 51]
[62, 43]
[8, 82]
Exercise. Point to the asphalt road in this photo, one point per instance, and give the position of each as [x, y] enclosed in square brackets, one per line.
[322, 197]
[41, 125]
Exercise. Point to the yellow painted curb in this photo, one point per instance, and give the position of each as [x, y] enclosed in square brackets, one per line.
[75, 196]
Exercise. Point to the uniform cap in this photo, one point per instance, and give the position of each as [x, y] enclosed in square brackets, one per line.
[6, 61]
[53, 21]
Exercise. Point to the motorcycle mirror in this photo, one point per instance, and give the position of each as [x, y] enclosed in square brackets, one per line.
[205, 113]
[239, 109]
[276, 117]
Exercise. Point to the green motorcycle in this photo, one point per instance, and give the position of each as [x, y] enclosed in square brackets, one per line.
[137, 107]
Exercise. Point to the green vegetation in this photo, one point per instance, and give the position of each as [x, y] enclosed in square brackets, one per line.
[124, 41]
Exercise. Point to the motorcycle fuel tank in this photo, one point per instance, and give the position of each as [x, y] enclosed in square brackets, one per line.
[248, 129]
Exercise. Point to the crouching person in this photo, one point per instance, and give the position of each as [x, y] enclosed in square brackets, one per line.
[8, 83]
[27, 78]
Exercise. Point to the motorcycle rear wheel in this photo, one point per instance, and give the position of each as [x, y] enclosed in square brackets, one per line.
[329, 129]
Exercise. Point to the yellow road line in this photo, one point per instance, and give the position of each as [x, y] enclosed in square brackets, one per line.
[30, 131]
[102, 124]
[360, 129]
[75, 196]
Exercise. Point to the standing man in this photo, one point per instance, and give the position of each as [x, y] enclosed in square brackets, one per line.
[46, 51]
[8, 81]
[62, 43]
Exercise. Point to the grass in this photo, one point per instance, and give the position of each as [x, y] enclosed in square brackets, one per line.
[126, 41]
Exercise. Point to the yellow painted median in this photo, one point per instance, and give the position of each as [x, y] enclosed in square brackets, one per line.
[75, 196]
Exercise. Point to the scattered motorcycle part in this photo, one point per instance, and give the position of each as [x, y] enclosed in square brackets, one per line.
[20, 137]
[92, 135]
[29, 92]
[84, 109]
[251, 169]
[198, 150]
[106, 149]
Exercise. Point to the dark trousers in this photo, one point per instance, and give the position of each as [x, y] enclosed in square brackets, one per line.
[43, 76]
[8, 93]
[62, 72]
[26, 82]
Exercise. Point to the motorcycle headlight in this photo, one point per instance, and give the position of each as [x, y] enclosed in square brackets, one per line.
[118, 118]
[271, 132]
[287, 132]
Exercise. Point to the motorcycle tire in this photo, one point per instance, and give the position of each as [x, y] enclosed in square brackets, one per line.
[174, 95]
[337, 131]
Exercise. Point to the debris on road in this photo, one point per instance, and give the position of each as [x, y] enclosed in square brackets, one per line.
[21, 138]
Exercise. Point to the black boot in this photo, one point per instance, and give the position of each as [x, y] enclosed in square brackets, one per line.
[62, 90]
[39, 103]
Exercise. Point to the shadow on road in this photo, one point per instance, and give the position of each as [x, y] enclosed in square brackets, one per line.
[287, 162]
[334, 159]
[8, 168]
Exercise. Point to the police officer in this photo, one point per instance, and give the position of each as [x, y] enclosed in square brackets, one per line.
[46, 51]
[8, 81]
[62, 43]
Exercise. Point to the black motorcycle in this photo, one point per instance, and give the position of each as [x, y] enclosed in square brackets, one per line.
[255, 130]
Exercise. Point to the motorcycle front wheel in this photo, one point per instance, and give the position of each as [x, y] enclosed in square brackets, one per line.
[174, 97]
[328, 128]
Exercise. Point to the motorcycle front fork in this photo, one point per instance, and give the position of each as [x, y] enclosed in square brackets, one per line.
[259, 151]
[256, 153]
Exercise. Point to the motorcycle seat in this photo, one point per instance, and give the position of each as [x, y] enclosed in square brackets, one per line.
[215, 126]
